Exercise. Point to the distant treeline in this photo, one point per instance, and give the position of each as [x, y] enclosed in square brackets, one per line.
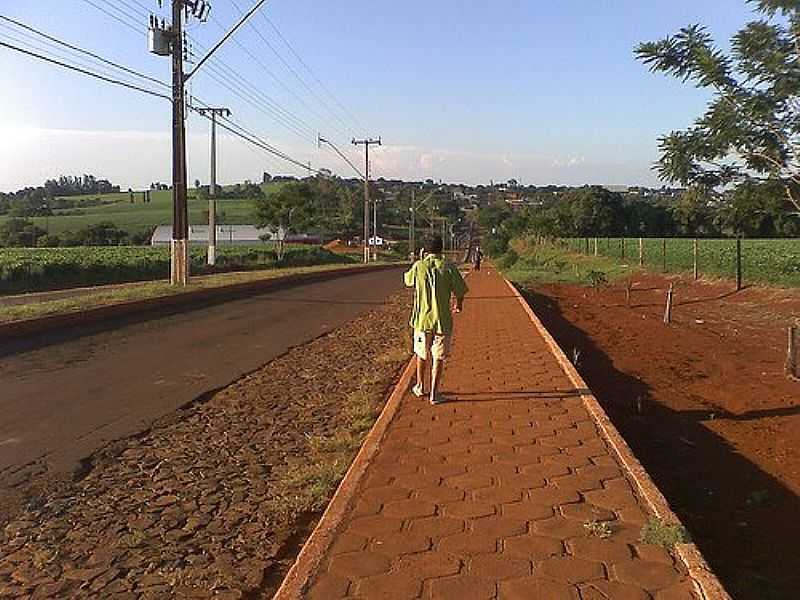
[752, 210]
[42, 200]
[21, 233]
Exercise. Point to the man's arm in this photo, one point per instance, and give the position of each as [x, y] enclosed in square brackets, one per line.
[410, 276]
[458, 286]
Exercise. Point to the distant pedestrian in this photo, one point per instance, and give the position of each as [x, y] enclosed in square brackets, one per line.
[435, 281]
[477, 258]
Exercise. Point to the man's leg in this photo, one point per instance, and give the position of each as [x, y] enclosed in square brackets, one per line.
[420, 373]
[438, 353]
[421, 350]
[435, 372]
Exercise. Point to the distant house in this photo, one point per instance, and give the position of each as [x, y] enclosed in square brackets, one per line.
[237, 235]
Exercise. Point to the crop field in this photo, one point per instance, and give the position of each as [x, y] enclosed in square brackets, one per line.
[37, 269]
[774, 261]
[138, 216]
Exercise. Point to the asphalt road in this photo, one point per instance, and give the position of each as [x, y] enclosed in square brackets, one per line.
[61, 402]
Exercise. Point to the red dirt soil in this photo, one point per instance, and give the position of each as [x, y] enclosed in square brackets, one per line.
[706, 407]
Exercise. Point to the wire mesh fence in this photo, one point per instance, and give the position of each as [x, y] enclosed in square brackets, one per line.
[775, 261]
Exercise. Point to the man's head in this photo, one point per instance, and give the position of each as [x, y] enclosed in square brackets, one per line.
[434, 246]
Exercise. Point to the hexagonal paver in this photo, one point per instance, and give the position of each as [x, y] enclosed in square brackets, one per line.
[603, 590]
[440, 493]
[416, 481]
[348, 542]
[443, 470]
[391, 586]
[429, 564]
[559, 527]
[436, 527]
[329, 587]
[409, 509]
[499, 527]
[467, 544]
[553, 496]
[682, 591]
[648, 575]
[532, 588]
[498, 494]
[376, 525]
[385, 493]
[584, 512]
[611, 499]
[469, 481]
[397, 544]
[653, 553]
[533, 547]
[569, 569]
[359, 564]
[600, 472]
[577, 483]
[496, 567]
[603, 550]
[526, 510]
[463, 587]
[468, 509]
[545, 471]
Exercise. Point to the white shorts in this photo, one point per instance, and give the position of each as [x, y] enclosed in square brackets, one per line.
[439, 345]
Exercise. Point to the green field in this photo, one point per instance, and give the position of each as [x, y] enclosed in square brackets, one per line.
[774, 261]
[139, 217]
[37, 269]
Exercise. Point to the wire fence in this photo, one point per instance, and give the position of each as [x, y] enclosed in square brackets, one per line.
[775, 261]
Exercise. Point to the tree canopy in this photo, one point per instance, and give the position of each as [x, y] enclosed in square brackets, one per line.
[751, 128]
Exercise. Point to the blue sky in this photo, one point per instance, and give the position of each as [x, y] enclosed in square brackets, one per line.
[459, 90]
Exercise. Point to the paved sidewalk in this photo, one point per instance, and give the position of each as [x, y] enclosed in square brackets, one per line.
[488, 496]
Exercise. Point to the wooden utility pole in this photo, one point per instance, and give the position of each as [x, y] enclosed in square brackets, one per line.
[179, 252]
[668, 308]
[168, 41]
[366, 143]
[792, 366]
[738, 263]
[212, 186]
[641, 252]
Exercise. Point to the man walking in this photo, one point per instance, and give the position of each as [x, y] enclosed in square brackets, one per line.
[434, 281]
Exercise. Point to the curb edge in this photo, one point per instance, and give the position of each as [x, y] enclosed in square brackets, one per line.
[316, 546]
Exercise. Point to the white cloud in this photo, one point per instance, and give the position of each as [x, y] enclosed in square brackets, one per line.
[137, 158]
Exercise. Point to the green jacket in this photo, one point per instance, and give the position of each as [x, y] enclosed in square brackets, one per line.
[434, 280]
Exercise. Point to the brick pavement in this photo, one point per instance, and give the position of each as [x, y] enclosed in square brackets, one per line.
[487, 496]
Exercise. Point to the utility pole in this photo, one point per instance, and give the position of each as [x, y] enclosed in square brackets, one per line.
[179, 255]
[212, 186]
[366, 143]
[169, 41]
[375, 227]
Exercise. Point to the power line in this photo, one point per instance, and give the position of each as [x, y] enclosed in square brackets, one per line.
[311, 72]
[224, 80]
[256, 141]
[228, 73]
[83, 51]
[85, 71]
[290, 68]
[269, 72]
[115, 17]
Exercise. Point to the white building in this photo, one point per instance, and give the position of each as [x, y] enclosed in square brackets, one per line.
[241, 235]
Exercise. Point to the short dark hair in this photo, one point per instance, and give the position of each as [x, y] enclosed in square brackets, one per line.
[435, 246]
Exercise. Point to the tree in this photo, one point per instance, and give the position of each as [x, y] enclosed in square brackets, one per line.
[693, 213]
[19, 233]
[751, 129]
[286, 210]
